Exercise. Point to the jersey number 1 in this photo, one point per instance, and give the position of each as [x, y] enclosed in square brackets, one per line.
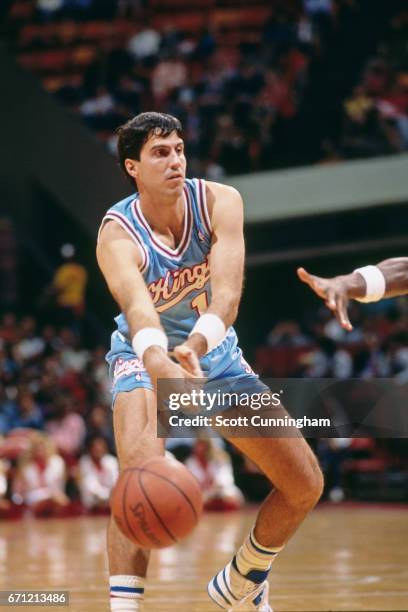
[200, 303]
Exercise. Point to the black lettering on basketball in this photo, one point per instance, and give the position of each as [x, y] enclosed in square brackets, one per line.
[138, 512]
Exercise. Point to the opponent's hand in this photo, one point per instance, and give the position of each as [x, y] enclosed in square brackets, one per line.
[334, 291]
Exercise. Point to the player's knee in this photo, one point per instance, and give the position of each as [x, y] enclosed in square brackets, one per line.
[309, 487]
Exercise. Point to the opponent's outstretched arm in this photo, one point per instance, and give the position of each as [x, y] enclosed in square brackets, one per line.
[119, 259]
[337, 291]
[226, 263]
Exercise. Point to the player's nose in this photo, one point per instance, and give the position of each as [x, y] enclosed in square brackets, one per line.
[175, 161]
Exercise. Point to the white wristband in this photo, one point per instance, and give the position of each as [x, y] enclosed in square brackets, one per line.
[212, 328]
[375, 283]
[147, 337]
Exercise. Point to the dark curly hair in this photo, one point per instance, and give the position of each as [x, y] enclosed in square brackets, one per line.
[135, 132]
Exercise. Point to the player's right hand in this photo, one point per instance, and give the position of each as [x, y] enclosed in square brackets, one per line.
[173, 377]
[334, 291]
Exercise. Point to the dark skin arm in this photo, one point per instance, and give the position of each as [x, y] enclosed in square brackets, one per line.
[337, 291]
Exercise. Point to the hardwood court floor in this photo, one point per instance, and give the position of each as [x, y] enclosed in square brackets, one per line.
[343, 558]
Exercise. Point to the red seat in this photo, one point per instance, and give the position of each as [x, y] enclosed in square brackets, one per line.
[53, 61]
[174, 5]
[367, 465]
[21, 10]
[95, 30]
[124, 28]
[29, 32]
[190, 22]
[363, 444]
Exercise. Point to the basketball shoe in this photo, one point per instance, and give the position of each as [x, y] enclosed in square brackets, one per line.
[253, 589]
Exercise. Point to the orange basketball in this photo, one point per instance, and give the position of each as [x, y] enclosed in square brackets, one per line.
[156, 504]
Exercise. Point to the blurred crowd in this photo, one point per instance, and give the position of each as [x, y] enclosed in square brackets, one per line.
[318, 347]
[54, 398]
[272, 85]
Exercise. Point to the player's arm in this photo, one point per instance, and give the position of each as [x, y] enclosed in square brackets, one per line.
[337, 291]
[119, 259]
[226, 266]
[227, 251]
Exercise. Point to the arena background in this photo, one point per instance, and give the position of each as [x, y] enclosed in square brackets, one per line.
[303, 106]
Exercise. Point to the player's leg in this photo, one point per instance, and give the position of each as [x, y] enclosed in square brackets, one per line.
[135, 427]
[292, 468]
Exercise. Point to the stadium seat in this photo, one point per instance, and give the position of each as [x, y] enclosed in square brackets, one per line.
[95, 30]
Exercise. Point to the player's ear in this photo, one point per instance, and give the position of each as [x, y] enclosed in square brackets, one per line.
[132, 167]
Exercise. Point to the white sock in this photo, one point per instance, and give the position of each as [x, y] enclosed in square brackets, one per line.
[253, 560]
[126, 593]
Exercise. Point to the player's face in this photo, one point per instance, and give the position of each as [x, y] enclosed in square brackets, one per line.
[162, 165]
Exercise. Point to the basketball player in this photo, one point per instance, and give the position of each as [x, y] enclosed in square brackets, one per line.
[387, 279]
[172, 255]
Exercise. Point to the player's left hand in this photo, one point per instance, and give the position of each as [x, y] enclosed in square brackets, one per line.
[188, 359]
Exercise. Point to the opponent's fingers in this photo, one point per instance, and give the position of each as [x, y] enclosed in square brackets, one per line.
[304, 276]
[343, 317]
[331, 300]
[316, 283]
[337, 303]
